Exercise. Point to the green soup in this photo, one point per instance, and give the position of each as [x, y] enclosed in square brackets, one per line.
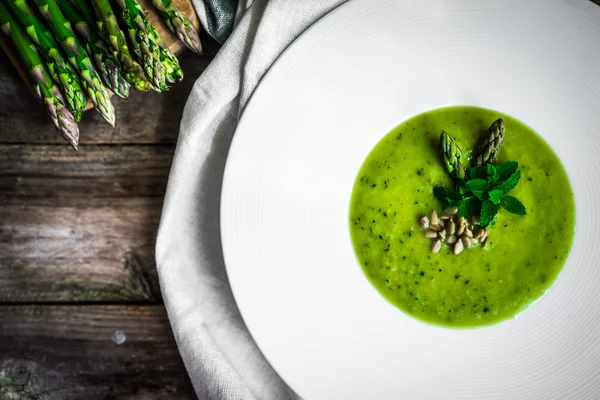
[483, 285]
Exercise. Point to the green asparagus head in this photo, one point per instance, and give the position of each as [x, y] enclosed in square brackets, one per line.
[490, 145]
[452, 155]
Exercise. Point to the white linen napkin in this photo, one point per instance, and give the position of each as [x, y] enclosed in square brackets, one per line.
[221, 358]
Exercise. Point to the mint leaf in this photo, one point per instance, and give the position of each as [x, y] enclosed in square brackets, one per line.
[511, 182]
[488, 212]
[441, 193]
[506, 169]
[447, 197]
[446, 203]
[492, 174]
[513, 205]
[479, 194]
[477, 173]
[495, 195]
[476, 185]
[469, 206]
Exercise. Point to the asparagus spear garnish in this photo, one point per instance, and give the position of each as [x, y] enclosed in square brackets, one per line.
[490, 145]
[59, 69]
[453, 156]
[61, 117]
[179, 24]
[77, 56]
[143, 42]
[108, 67]
[109, 28]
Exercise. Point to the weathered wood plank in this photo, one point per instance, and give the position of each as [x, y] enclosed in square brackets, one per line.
[89, 352]
[78, 249]
[95, 171]
[80, 226]
[145, 117]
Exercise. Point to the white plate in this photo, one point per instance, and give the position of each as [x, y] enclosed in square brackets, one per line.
[331, 97]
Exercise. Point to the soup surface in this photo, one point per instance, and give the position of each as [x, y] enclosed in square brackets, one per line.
[522, 256]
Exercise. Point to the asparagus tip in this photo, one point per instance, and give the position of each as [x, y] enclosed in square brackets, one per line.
[67, 127]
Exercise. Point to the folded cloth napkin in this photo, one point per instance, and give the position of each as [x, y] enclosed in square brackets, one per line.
[218, 16]
[221, 358]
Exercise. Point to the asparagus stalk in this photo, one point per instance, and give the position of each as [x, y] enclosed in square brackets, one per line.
[490, 145]
[59, 69]
[179, 24]
[143, 42]
[64, 33]
[453, 156]
[170, 61]
[109, 28]
[61, 117]
[108, 67]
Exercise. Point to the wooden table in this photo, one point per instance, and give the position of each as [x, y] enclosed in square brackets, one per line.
[81, 315]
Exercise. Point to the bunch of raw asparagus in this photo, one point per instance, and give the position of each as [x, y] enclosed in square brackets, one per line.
[77, 50]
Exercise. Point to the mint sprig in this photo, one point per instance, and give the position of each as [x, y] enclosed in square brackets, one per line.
[484, 192]
[513, 205]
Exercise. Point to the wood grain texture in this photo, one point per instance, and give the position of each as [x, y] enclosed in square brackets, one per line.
[78, 249]
[80, 226]
[94, 172]
[72, 353]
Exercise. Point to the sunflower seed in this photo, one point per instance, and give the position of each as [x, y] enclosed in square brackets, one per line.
[436, 245]
[466, 242]
[431, 234]
[442, 234]
[451, 227]
[451, 239]
[433, 218]
[475, 220]
[452, 210]
[468, 232]
[460, 229]
[484, 236]
[458, 247]
[435, 227]
[424, 222]
[477, 233]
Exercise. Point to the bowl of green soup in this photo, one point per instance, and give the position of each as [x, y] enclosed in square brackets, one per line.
[521, 255]
[411, 203]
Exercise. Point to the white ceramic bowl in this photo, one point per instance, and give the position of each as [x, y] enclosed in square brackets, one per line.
[327, 101]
